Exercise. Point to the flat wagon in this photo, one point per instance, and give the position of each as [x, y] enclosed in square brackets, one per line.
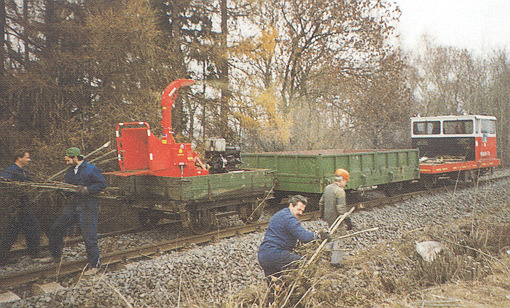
[309, 172]
[196, 201]
[162, 178]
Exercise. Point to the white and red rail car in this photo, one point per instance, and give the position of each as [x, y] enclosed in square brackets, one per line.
[455, 147]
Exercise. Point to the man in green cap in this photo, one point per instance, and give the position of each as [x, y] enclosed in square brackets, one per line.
[81, 208]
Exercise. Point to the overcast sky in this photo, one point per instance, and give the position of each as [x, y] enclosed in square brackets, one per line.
[478, 25]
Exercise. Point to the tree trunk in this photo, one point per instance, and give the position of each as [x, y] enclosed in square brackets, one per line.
[3, 44]
[225, 94]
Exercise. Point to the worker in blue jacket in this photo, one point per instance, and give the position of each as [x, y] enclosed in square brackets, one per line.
[23, 217]
[283, 232]
[81, 208]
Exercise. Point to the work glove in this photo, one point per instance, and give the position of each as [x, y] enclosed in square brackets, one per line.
[348, 224]
[82, 190]
[324, 235]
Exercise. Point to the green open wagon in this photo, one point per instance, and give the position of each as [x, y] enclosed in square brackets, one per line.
[196, 201]
[309, 172]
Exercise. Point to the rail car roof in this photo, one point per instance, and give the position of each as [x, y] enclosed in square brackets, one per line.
[454, 117]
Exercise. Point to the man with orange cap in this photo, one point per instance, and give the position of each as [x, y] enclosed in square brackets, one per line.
[333, 204]
[333, 199]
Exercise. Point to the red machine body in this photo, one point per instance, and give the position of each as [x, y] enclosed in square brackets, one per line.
[142, 153]
[455, 143]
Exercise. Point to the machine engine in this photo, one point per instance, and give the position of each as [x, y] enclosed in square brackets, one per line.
[222, 157]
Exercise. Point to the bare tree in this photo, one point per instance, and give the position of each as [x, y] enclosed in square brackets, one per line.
[448, 80]
[498, 103]
[380, 106]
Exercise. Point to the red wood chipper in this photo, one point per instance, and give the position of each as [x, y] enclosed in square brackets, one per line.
[142, 153]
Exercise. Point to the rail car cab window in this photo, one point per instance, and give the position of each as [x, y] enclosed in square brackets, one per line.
[488, 126]
[427, 128]
[458, 127]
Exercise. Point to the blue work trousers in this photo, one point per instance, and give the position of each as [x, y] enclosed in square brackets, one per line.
[273, 262]
[26, 221]
[85, 213]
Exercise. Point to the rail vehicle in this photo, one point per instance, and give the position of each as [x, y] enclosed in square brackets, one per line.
[455, 147]
[161, 178]
[309, 172]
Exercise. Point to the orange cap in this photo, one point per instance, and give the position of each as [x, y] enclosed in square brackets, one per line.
[343, 173]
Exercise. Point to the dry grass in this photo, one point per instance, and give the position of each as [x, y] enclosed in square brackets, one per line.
[471, 272]
[393, 274]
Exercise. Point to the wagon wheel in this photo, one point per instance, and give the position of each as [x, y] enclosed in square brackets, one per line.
[393, 189]
[201, 221]
[251, 212]
[469, 176]
[475, 175]
[428, 181]
[148, 219]
[313, 203]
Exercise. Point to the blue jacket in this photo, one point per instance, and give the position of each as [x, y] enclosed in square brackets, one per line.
[283, 232]
[15, 173]
[88, 175]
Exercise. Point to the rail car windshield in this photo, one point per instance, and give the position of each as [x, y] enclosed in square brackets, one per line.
[451, 126]
[458, 127]
[427, 128]
[488, 126]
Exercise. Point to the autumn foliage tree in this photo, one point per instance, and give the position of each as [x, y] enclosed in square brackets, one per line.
[306, 55]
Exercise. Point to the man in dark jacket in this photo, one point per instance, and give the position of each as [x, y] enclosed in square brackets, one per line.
[23, 218]
[333, 204]
[333, 200]
[81, 207]
[283, 232]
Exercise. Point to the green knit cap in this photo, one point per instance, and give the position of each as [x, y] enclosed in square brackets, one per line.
[73, 152]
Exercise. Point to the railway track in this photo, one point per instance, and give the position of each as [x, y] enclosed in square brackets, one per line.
[20, 252]
[117, 259]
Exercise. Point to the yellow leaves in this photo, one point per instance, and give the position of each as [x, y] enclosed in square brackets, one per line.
[265, 121]
[263, 116]
[268, 101]
[261, 47]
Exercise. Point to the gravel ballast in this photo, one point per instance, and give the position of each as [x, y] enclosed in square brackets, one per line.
[215, 272]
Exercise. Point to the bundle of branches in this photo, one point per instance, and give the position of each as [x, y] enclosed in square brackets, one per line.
[34, 189]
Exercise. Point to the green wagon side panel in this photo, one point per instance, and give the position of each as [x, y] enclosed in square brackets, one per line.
[197, 188]
[311, 171]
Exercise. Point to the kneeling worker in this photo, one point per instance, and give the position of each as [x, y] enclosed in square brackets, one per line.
[283, 232]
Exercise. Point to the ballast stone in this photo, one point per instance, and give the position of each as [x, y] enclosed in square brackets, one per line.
[8, 297]
[52, 287]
